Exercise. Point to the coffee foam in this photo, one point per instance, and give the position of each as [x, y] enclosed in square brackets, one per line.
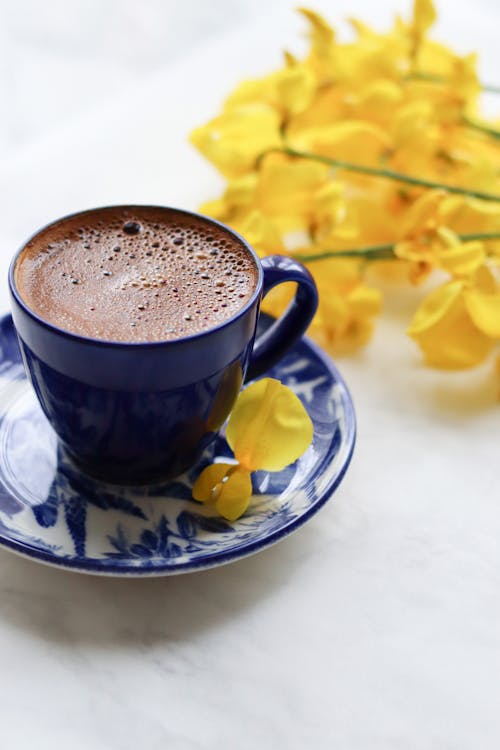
[135, 274]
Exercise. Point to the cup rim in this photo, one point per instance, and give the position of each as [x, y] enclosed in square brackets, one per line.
[136, 344]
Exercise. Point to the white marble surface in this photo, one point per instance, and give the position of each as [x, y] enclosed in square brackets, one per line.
[375, 627]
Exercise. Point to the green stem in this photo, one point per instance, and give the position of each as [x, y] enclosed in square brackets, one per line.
[469, 122]
[482, 128]
[481, 236]
[385, 173]
[374, 252]
[439, 79]
[384, 252]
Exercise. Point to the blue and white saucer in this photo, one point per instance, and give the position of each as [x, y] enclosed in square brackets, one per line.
[51, 512]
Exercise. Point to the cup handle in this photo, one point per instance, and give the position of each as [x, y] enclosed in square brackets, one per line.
[270, 346]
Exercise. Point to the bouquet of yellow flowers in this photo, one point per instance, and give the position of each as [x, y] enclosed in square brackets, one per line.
[370, 154]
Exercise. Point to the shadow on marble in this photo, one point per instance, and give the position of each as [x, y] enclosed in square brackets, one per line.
[462, 395]
[73, 609]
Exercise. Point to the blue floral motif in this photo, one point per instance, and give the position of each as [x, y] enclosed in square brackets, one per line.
[152, 543]
[49, 510]
[165, 543]
[73, 492]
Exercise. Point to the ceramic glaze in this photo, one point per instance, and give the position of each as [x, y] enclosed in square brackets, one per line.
[141, 411]
[55, 514]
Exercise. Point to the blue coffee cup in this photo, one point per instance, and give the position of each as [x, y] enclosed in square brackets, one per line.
[141, 412]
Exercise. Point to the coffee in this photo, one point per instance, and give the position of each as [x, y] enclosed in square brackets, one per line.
[135, 274]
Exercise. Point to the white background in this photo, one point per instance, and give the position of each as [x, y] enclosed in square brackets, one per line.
[375, 627]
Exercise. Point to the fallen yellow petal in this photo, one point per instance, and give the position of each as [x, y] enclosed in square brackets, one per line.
[234, 495]
[208, 480]
[269, 427]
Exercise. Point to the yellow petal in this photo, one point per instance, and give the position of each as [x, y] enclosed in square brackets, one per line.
[380, 93]
[235, 495]
[240, 192]
[484, 310]
[484, 281]
[208, 480]
[463, 258]
[448, 237]
[365, 301]
[410, 120]
[234, 140]
[218, 209]
[422, 211]
[352, 140]
[295, 88]
[269, 427]
[434, 307]
[322, 35]
[445, 332]
[251, 91]
[261, 233]
[286, 190]
[424, 15]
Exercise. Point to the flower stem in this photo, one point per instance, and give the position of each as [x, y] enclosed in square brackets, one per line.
[385, 173]
[384, 252]
[374, 252]
[421, 76]
[481, 127]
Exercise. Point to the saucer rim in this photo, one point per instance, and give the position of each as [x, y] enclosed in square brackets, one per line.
[94, 567]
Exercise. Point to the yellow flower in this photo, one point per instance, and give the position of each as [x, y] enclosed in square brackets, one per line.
[459, 258]
[427, 242]
[268, 429]
[351, 140]
[234, 140]
[469, 214]
[457, 324]
[286, 191]
[261, 233]
[347, 306]
[288, 91]
[329, 211]
[390, 101]
[424, 15]
[237, 200]
[375, 101]
[322, 37]
[295, 88]
[373, 56]
[409, 121]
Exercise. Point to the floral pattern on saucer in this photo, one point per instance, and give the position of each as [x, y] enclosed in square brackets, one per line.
[53, 513]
